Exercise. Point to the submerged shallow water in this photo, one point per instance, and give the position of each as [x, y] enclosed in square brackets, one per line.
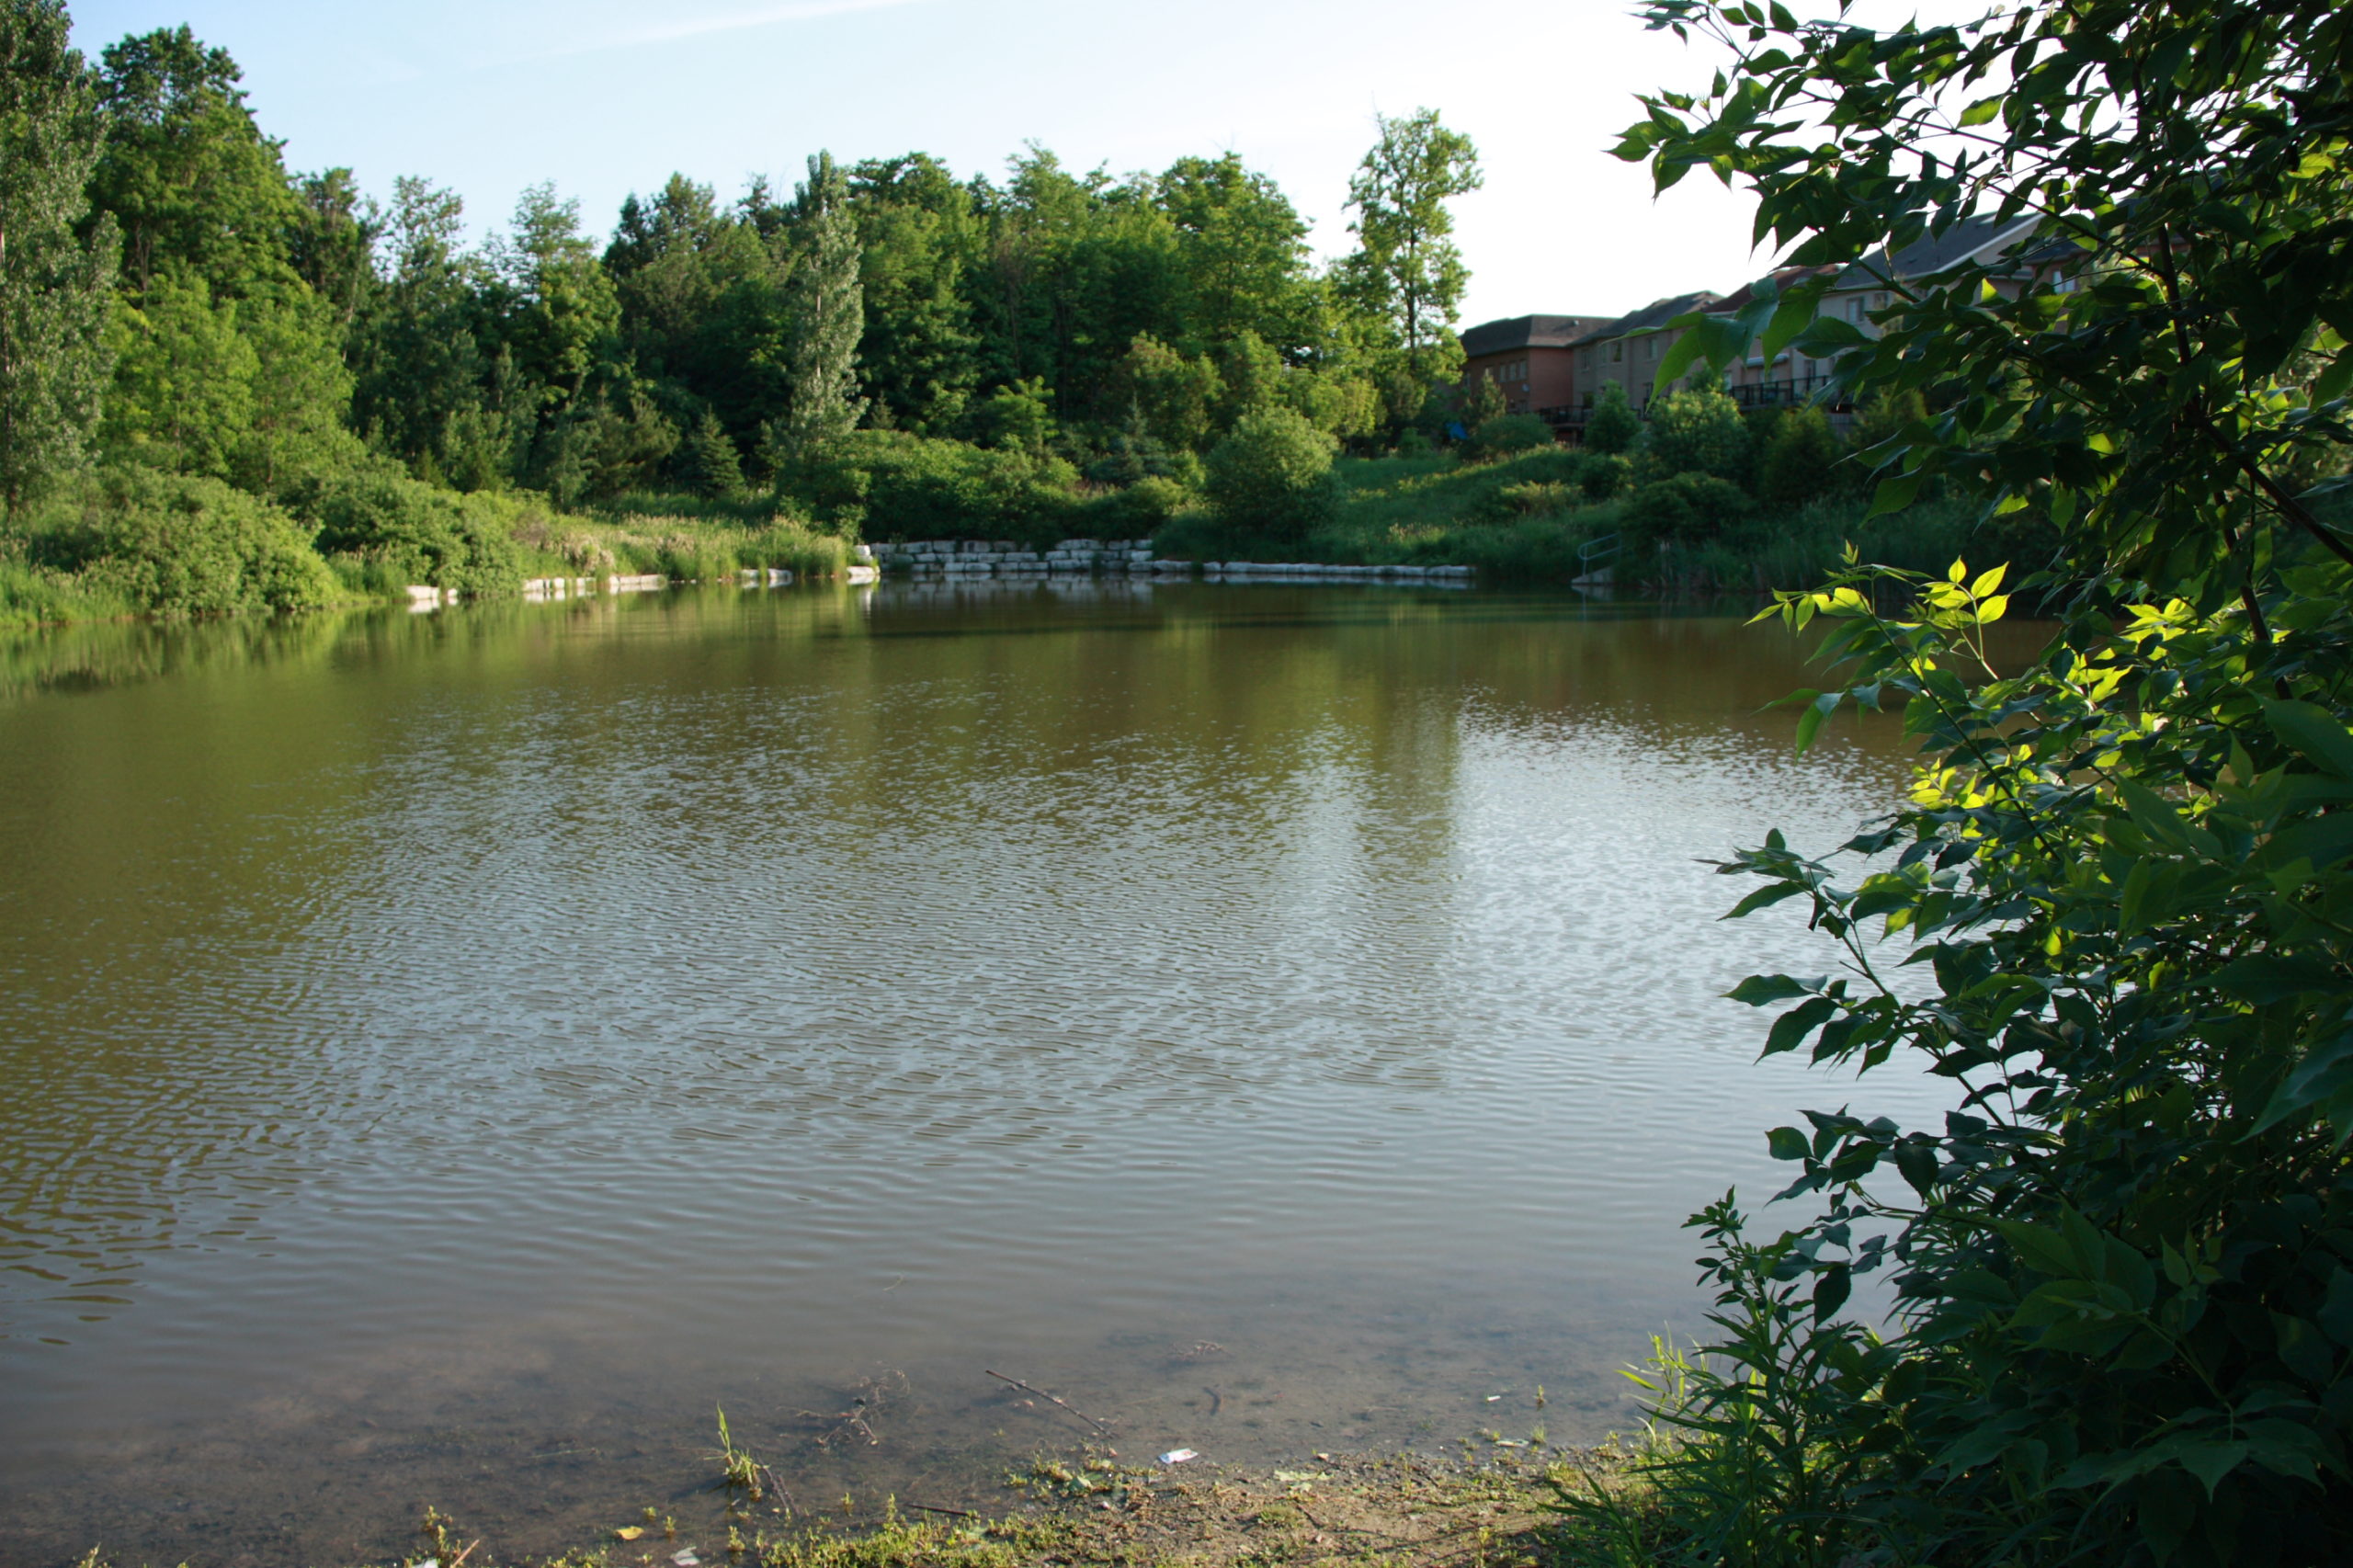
[446, 1056]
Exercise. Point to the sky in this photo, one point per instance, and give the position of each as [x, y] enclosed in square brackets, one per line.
[609, 97]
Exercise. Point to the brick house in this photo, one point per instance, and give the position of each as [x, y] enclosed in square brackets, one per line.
[1528, 357]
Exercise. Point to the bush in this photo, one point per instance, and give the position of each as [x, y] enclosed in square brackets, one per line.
[1685, 509]
[1800, 460]
[1607, 475]
[1614, 424]
[1273, 474]
[419, 534]
[1506, 434]
[890, 483]
[1697, 431]
[179, 545]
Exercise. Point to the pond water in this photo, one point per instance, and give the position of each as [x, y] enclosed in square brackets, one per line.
[446, 1056]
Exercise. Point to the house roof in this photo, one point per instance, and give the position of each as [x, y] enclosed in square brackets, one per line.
[1527, 332]
[1932, 254]
[1656, 314]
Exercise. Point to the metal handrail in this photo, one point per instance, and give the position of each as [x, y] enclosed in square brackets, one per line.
[1591, 550]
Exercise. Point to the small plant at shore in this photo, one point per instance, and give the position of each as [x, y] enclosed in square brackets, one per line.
[738, 1470]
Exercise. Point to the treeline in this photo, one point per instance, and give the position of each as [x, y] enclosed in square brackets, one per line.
[178, 306]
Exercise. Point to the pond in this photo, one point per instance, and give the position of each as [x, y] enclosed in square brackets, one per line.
[446, 1056]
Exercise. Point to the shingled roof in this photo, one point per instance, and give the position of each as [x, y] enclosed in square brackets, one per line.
[1931, 254]
[1658, 312]
[1527, 332]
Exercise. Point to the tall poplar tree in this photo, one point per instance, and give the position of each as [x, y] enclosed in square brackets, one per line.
[828, 315]
[55, 285]
[1407, 267]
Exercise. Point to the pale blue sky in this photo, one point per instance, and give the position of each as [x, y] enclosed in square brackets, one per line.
[605, 98]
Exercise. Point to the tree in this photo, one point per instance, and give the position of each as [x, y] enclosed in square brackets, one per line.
[1406, 265]
[1272, 474]
[1614, 426]
[190, 178]
[1241, 254]
[715, 465]
[53, 284]
[827, 313]
[1697, 431]
[1801, 460]
[2126, 1294]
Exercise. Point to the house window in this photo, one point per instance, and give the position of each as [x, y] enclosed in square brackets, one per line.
[1879, 301]
[1617, 353]
[1855, 308]
[1650, 347]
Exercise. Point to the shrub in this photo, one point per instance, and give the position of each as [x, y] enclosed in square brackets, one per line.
[1273, 474]
[1614, 426]
[1508, 433]
[892, 484]
[1607, 475]
[418, 533]
[1800, 460]
[1685, 509]
[183, 545]
[1697, 431]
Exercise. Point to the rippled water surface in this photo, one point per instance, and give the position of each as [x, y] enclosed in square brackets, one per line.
[444, 1057]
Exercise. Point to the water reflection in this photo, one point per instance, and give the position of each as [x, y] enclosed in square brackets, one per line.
[450, 1052]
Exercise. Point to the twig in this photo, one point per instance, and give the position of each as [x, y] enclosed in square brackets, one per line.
[1217, 1400]
[1101, 1428]
[459, 1561]
[953, 1512]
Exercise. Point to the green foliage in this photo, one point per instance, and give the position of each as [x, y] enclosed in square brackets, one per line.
[418, 533]
[1508, 433]
[176, 545]
[1272, 474]
[1684, 507]
[1696, 431]
[1485, 402]
[1017, 418]
[894, 484]
[715, 466]
[53, 283]
[1405, 266]
[1614, 427]
[826, 305]
[188, 176]
[2125, 1261]
[1802, 454]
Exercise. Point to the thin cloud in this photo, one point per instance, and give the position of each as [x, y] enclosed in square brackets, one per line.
[759, 16]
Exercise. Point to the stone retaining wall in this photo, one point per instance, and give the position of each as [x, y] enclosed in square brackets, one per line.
[1090, 557]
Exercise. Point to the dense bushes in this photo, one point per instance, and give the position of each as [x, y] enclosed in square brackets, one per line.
[178, 545]
[892, 484]
[415, 533]
[1683, 509]
[1272, 474]
[1505, 434]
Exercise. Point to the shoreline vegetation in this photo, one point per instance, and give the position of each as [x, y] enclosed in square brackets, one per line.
[230, 388]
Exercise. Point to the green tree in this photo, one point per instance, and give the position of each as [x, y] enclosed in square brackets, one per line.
[714, 464]
[1241, 254]
[1614, 427]
[1485, 402]
[2125, 1331]
[562, 317]
[1405, 266]
[1017, 418]
[53, 285]
[920, 355]
[1800, 458]
[1272, 474]
[1174, 396]
[183, 396]
[332, 247]
[427, 389]
[186, 173]
[1697, 431]
[827, 313]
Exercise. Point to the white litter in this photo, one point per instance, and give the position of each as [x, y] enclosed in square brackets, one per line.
[686, 1559]
[1179, 1456]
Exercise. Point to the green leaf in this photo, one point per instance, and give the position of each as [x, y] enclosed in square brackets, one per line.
[2211, 1461]
[1788, 1144]
[1759, 989]
[2040, 1247]
[1791, 1028]
[2314, 733]
[1981, 112]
